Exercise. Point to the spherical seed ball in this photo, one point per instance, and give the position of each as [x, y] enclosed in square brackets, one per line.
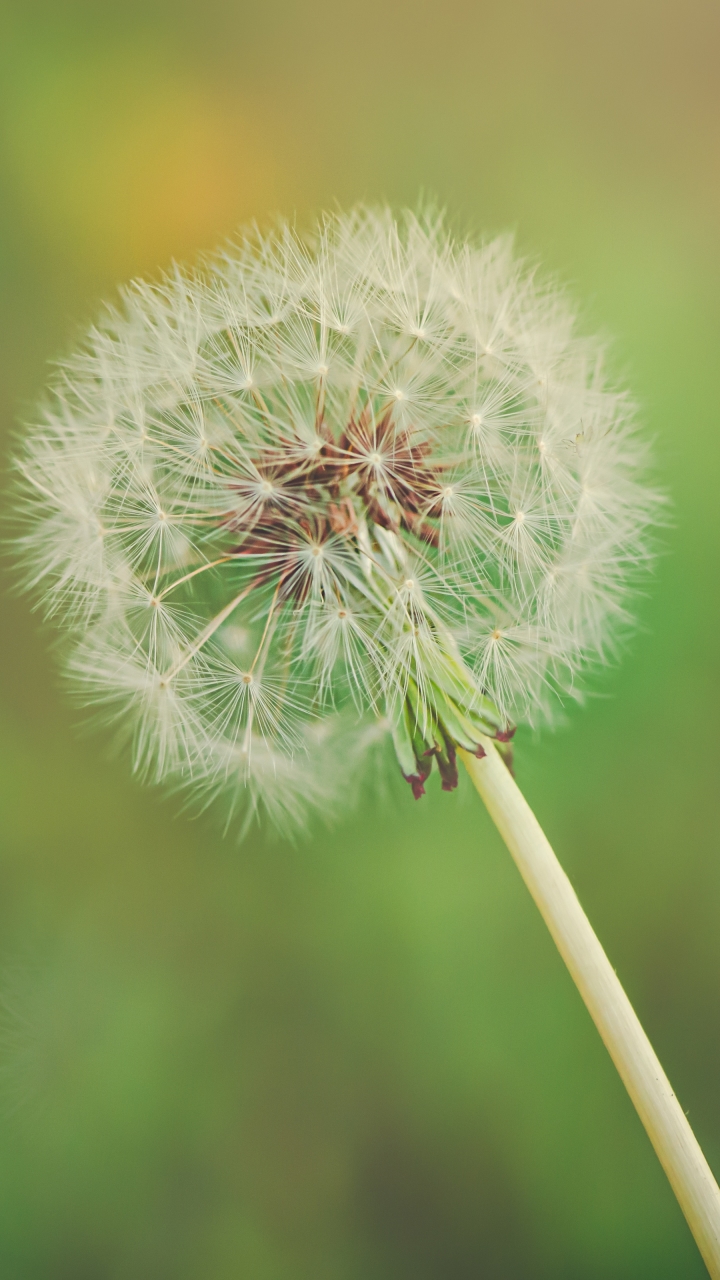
[369, 477]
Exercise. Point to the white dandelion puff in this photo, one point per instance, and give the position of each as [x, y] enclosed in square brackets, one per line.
[371, 469]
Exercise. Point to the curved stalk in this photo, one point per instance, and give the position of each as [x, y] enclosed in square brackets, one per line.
[665, 1122]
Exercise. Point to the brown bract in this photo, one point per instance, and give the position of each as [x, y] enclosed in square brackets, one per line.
[375, 473]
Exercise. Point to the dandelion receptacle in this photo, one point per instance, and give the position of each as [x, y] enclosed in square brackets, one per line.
[359, 490]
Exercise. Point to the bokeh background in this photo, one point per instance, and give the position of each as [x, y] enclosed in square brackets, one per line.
[360, 1058]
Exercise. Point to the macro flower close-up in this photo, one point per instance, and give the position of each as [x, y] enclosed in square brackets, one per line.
[328, 486]
[359, 875]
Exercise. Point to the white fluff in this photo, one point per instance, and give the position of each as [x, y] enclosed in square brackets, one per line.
[368, 473]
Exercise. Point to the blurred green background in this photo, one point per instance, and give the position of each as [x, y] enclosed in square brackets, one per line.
[361, 1058]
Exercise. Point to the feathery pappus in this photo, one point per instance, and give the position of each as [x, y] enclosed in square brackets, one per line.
[328, 488]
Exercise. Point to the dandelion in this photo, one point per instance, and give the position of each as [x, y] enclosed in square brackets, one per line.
[329, 490]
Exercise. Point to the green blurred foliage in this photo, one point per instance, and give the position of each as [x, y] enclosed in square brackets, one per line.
[361, 1057]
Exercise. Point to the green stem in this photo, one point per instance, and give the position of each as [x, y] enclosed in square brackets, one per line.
[665, 1122]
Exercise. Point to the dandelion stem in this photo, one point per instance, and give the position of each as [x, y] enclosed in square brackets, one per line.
[666, 1125]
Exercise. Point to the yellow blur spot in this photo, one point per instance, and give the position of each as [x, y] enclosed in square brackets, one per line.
[124, 164]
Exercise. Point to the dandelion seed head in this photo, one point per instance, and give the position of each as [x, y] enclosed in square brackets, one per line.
[328, 487]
